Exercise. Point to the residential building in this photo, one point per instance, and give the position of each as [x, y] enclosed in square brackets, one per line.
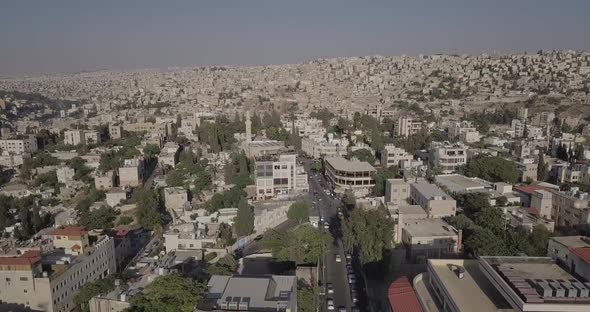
[394, 156]
[11, 160]
[115, 131]
[104, 181]
[65, 175]
[250, 293]
[542, 202]
[318, 148]
[430, 238]
[356, 176]
[116, 195]
[74, 137]
[406, 126]
[447, 157]
[189, 236]
[457, 183]
[432, 199]
[169, 154]
[19, 145]
[159, 129]
[131, 174]
[92, 137]
[397, 192]
[279, 176]
[571, 208]
[527, 170]
[464, 131]
[50, 281]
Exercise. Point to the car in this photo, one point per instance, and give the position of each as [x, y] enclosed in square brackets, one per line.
[338, 258]
[340, 214]
[348, 257]
[330, 288]
[351, 279]
[354, 299]
[341, 309]
[349, 269]
[330, 305]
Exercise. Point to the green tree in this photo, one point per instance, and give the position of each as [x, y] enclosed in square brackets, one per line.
[471, 203]
[370, 232]
[124, 220]
[149, 208]
[169, 293]
[174, 178]
[302, 245]
[226, 234]
[460, 222]
[349, 200]
[299, 211]
[101, 218]
[364, 155]
[381, 177]
[541, 168]
[492, 168]
[151, 151]
[244, 222]
[483, 242]
[307, 299]
[101, 286]
[538, 240]
[36, 221]
[492, 219]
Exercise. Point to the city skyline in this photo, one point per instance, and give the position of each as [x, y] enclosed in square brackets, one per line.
[68, 37]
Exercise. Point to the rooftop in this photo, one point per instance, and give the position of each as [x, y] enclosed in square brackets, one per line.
[473, 292]
[402, 296]
[261, 292]
[342, 164]
[430, 190]
[69, 231]
[461, 183]
[572, 241]
[429, 228]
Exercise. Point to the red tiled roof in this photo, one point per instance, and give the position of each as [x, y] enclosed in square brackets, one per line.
[529, 189]
[28, 258]
[582, 252]
[69, 231]
[402, 296]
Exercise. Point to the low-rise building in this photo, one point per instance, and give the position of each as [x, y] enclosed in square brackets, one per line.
[65, 175]
[19, 145]
[169, 154]
[406, 126]
[356, 176]
[189, 236]
[464, 131]
[393, 156]
[131, 174]
[116, 195]
[250, 293]
[104, 181]
[432, 199]
[397, 192]
[430, 238]
[571, 208]
[279, 176]
[115, 131]
[447, 157]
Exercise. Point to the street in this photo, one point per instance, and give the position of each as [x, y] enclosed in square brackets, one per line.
[335, 273]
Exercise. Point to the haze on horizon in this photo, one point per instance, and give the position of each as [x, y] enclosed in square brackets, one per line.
[60, 35]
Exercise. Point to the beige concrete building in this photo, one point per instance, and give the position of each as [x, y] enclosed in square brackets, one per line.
[104, 181]
[447, 157]
[74, 137]
[356, 176]
[397, 192]
[188, 236]
[50, 282]
[542, 201]
[19, 145]
[571, 208]
[131, 174]
[406, 126]
[279, 176]
[464, 131]
[393, 156]
[116, 195]
[169, 154]
[92, 137]
[115, 131]
[65, 175]
[433, 199]
[430, 238]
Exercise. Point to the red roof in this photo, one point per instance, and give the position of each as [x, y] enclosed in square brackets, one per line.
[69, 231]
[582, 252]
[30, 257]
[402, 296]
[76, 247]
[529, 189]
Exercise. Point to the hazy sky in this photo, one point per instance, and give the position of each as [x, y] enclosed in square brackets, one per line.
[56, 35]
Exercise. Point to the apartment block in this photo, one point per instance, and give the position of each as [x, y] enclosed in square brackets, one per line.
[432, 199]
[394, 156]
[50, 281]
[447, 157]
[115, 131]
[65, 175]
[430, 239]
[571, 208]
[406, 126]
[104, 181]
[397, 192]
[465, 131]
[356, 176]
[19, 145]
[279, 176]
[169, 154]
[131, 174]
[74, 137]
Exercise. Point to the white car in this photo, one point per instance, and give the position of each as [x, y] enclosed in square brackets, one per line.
[338, 258]
[330, 305]
[330, 288]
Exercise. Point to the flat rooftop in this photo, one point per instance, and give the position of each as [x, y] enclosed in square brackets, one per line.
[429, 190]
[342, 164]
[572, 241]
[262, 292]
[461, 183]
[429, 228]
[412, 210]
[473, 292]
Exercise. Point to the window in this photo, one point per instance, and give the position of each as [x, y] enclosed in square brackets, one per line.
[24, 278]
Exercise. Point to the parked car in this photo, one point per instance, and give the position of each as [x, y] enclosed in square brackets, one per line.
[330, 305]
[330, 288]
[338, 258]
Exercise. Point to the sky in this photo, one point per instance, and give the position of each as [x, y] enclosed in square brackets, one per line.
[70, 36]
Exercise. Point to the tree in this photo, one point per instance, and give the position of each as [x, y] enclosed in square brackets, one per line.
[174, 178]
[101, 286]
[370, 232]
[472, 203]
[226, 234]
[307, 299]
[381, 177]
[302, 245]
[492, 219]
[349, 200]
[169, 293]
[149, 208]
[26, 228]
[124, 220]
[101, 218]
[537, 241]
[483, 242]
[299, 211]
[151, 151]
[541, 168]
[501, 201]
[562, 153]
[492, 168]
[245, 218]
[460, 222]
[36, 221]
[364, 154]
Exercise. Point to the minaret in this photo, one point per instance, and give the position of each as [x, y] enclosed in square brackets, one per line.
[248, 128]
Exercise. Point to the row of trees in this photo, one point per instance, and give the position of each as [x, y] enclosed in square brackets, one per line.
[491, 168]
[303, 244]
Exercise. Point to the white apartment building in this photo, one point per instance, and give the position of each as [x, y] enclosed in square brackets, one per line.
[169, 154]
[432, 199]
[356, 176]
[447, 157]
[279, 176]
[571, 208]
[406, 126]
[50, 282]
[20, 145]
[131, 174]
[92, 137]
[11, 160]
[74, 137]
[393, 156]
[115, 131]
[104, 181]
[318, 148]
[188, 236]
[465, 131]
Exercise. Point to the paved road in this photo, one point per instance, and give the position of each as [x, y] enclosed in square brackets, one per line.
[335, 272]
